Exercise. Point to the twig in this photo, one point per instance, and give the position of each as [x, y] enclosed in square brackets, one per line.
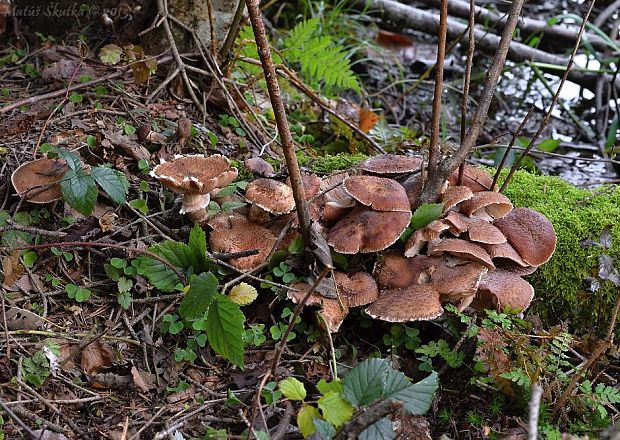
[31, 229]
[434, 184]
[434, 148]
[509, 147]
[367, 417]
[233, 30]
[17, 420]
[280, 116]
[554, 100]
[471, 47]
[231, 255]
[534, 408]
[106, 245]
[280, 347]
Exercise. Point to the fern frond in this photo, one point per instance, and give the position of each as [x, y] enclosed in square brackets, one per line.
[300, 35]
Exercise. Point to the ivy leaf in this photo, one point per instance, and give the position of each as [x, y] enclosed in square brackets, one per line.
[113, 182]
[225, 329]
[197, 299]
[382, 429]
[364, 383]
[305, 419]
[335, 409]
[292, 389]
[79, 190]
[158, 274]
[417, 398]
[426, 214]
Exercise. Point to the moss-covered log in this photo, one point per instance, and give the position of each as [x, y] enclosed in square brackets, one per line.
[576, 214]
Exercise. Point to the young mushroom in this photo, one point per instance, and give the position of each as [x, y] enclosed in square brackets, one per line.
[418, 302]
[194, 176]
[268, 196]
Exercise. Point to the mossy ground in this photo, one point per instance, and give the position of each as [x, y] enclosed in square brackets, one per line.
[576, 214]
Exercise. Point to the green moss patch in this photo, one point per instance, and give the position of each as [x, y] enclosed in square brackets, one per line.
[576, 214]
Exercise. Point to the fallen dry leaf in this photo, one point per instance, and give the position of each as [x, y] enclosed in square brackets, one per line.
[95, 356]
[141, 380]
[12, 269]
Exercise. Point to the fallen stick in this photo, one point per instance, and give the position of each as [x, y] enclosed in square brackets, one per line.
[565, 34]
[409, 17]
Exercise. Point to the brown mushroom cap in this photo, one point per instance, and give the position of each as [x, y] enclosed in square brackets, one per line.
[419, 238]
[474, 178]
[393, 271]
[234, 233]
[414, 303]
[38, 181]
[337, 192]
[499, 289]
[495, 204]
[365, 230]
[271, 195]
[453, 195]
[195, 173]
[530, 233]
[460, 248]
[504, 251]
[259, 166]
[379, 193]
[311, 183]
[356, 289]
[456, 282]
[391, 164]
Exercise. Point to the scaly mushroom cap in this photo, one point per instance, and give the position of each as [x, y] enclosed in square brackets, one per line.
[530, 233]
[419, 238]
[393, 271]
[259, 166]
[414, 303]
[457, 280]
[311, 183]
[475, 178]
[38, 181]
[391, 164]
[379, 193]
[499, 289]
[234, 233]
[460, 248]
[356, 289]
[453, 195]
[271, 195]
[365, 230]
[492, 203]
[479, 230]
[195, 173]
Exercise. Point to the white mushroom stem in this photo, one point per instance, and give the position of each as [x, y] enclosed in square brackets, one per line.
[196, 207]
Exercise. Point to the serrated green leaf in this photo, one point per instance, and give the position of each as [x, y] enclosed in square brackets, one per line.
[382, 429]
[325, 387]
[225, 329]
[73, 162]
[113, 182]
[158, 274]
[198, 244]
[292, 389]
[305, 419]
[426, 214]
[365, 383]
[79, 190]
[124, 299]
[29, 258]
[179, 254]
[197, 299]
[417, 397]
[124, 285]
[335, 409]
[324, 430]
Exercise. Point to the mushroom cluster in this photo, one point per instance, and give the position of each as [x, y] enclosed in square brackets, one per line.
[475, 254]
